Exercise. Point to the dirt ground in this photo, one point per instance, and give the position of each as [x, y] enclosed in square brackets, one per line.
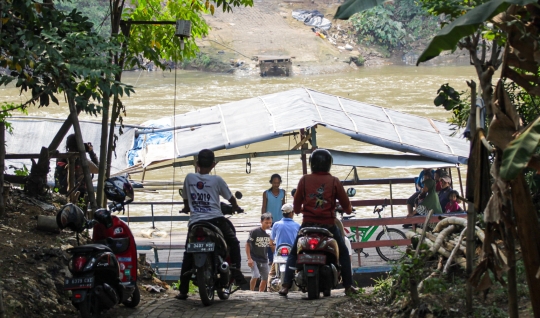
[268, 28]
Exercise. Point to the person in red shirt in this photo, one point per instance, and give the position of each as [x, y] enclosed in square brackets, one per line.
[315, 198]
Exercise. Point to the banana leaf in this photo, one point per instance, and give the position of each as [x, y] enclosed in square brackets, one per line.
[518, 153]
[346, 10]
[465, 25]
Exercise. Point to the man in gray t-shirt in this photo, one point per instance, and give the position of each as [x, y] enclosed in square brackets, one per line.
[201, 197]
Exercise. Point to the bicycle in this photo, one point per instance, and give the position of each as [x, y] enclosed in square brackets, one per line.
[387, 253]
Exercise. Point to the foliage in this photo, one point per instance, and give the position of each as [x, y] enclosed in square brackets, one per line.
[518, 153]
[22, 172]
[349, 8]
[394, 26]
[5, 112]
[464, 25]
[47, 51]
[94, 11]
[456, 102]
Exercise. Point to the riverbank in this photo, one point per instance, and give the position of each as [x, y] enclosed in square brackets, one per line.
[268, 28]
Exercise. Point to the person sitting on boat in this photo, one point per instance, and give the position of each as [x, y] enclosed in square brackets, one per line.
[453, 204]
[431, 201]
[315, 198]
[445, 190]
[414, 200]
[201, 196]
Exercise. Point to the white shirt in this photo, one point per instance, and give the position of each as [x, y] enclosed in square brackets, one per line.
[202, 192]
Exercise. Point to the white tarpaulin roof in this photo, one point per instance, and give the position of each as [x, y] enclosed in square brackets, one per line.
[29, 135]
[257, 119]
[372, 160]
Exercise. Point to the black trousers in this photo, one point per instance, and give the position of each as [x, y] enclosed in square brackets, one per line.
[229, 234]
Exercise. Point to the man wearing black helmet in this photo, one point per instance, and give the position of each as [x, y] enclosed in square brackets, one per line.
[315, 198]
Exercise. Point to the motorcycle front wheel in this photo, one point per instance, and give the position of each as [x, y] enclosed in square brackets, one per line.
[134, 300]
[205, 282]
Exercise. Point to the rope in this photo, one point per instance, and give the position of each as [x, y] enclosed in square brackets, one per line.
[288, 155]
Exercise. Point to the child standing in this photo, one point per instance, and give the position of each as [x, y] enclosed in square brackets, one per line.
[256, 245]
[452, 205]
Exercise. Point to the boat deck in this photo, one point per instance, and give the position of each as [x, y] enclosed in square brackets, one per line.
[170, 250]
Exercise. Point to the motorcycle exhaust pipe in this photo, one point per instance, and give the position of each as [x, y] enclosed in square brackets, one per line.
[224, 268]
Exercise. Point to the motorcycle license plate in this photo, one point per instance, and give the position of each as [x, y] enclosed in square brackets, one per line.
[200, 247]
[79, 282]
[311, 259]
[280, 259]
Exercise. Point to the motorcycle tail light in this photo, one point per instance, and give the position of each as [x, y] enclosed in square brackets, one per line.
[312, 242]
[199, 234]
[78, 263]
[311, 271]
[77, 296]
[284, 251]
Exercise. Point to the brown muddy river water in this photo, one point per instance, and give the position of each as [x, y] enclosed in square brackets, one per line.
[403, 88]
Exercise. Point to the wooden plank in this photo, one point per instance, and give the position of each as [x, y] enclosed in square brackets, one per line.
[381, 243]
[378, 202]
[379, 181]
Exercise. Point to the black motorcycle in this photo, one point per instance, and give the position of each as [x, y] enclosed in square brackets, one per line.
[105, 273]
[207, 246]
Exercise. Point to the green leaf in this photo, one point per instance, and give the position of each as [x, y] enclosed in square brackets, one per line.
[349, 8]
[518, 153]
[465, 25]
[439, 100]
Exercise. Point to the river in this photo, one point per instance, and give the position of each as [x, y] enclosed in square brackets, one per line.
[162, 94]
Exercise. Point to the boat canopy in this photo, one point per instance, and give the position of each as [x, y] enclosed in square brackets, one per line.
[428, 142]
[270, 116]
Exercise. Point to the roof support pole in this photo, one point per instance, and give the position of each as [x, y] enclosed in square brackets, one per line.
[391, 199]
[460, 184]
[303, 156]
[313, 137]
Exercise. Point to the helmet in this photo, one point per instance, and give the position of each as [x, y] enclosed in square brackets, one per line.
[320, 160]
[103, 216]
[72, 217]
[118, 189]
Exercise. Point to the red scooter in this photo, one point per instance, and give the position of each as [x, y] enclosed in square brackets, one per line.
[105, 273]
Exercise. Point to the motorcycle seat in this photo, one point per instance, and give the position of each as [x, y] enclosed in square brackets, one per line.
[89, 248]
[320, 230]
[214, 228]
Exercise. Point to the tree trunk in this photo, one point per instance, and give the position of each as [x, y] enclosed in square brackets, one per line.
[101, 200]
[82, 153]
[512, 275]
[528, 230]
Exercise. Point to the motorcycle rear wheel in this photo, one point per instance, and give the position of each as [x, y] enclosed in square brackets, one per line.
[87, 308]
[313, 287]
[134, 300]
[205, 282]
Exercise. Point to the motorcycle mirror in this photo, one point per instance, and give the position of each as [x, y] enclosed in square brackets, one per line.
[238, 195]
[351, 192]
[293, 192]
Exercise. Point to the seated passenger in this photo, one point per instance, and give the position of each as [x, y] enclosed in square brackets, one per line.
[453, 204]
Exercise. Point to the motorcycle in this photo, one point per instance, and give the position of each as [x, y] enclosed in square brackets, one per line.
[211, 259]
[104, 273]
[280, 261]
[318, 268]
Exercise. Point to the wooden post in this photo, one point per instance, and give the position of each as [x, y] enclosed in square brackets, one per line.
[100, 197]
[303, 156]
[53, 146]
[71, 179]
[391, 200]
[2, 168]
